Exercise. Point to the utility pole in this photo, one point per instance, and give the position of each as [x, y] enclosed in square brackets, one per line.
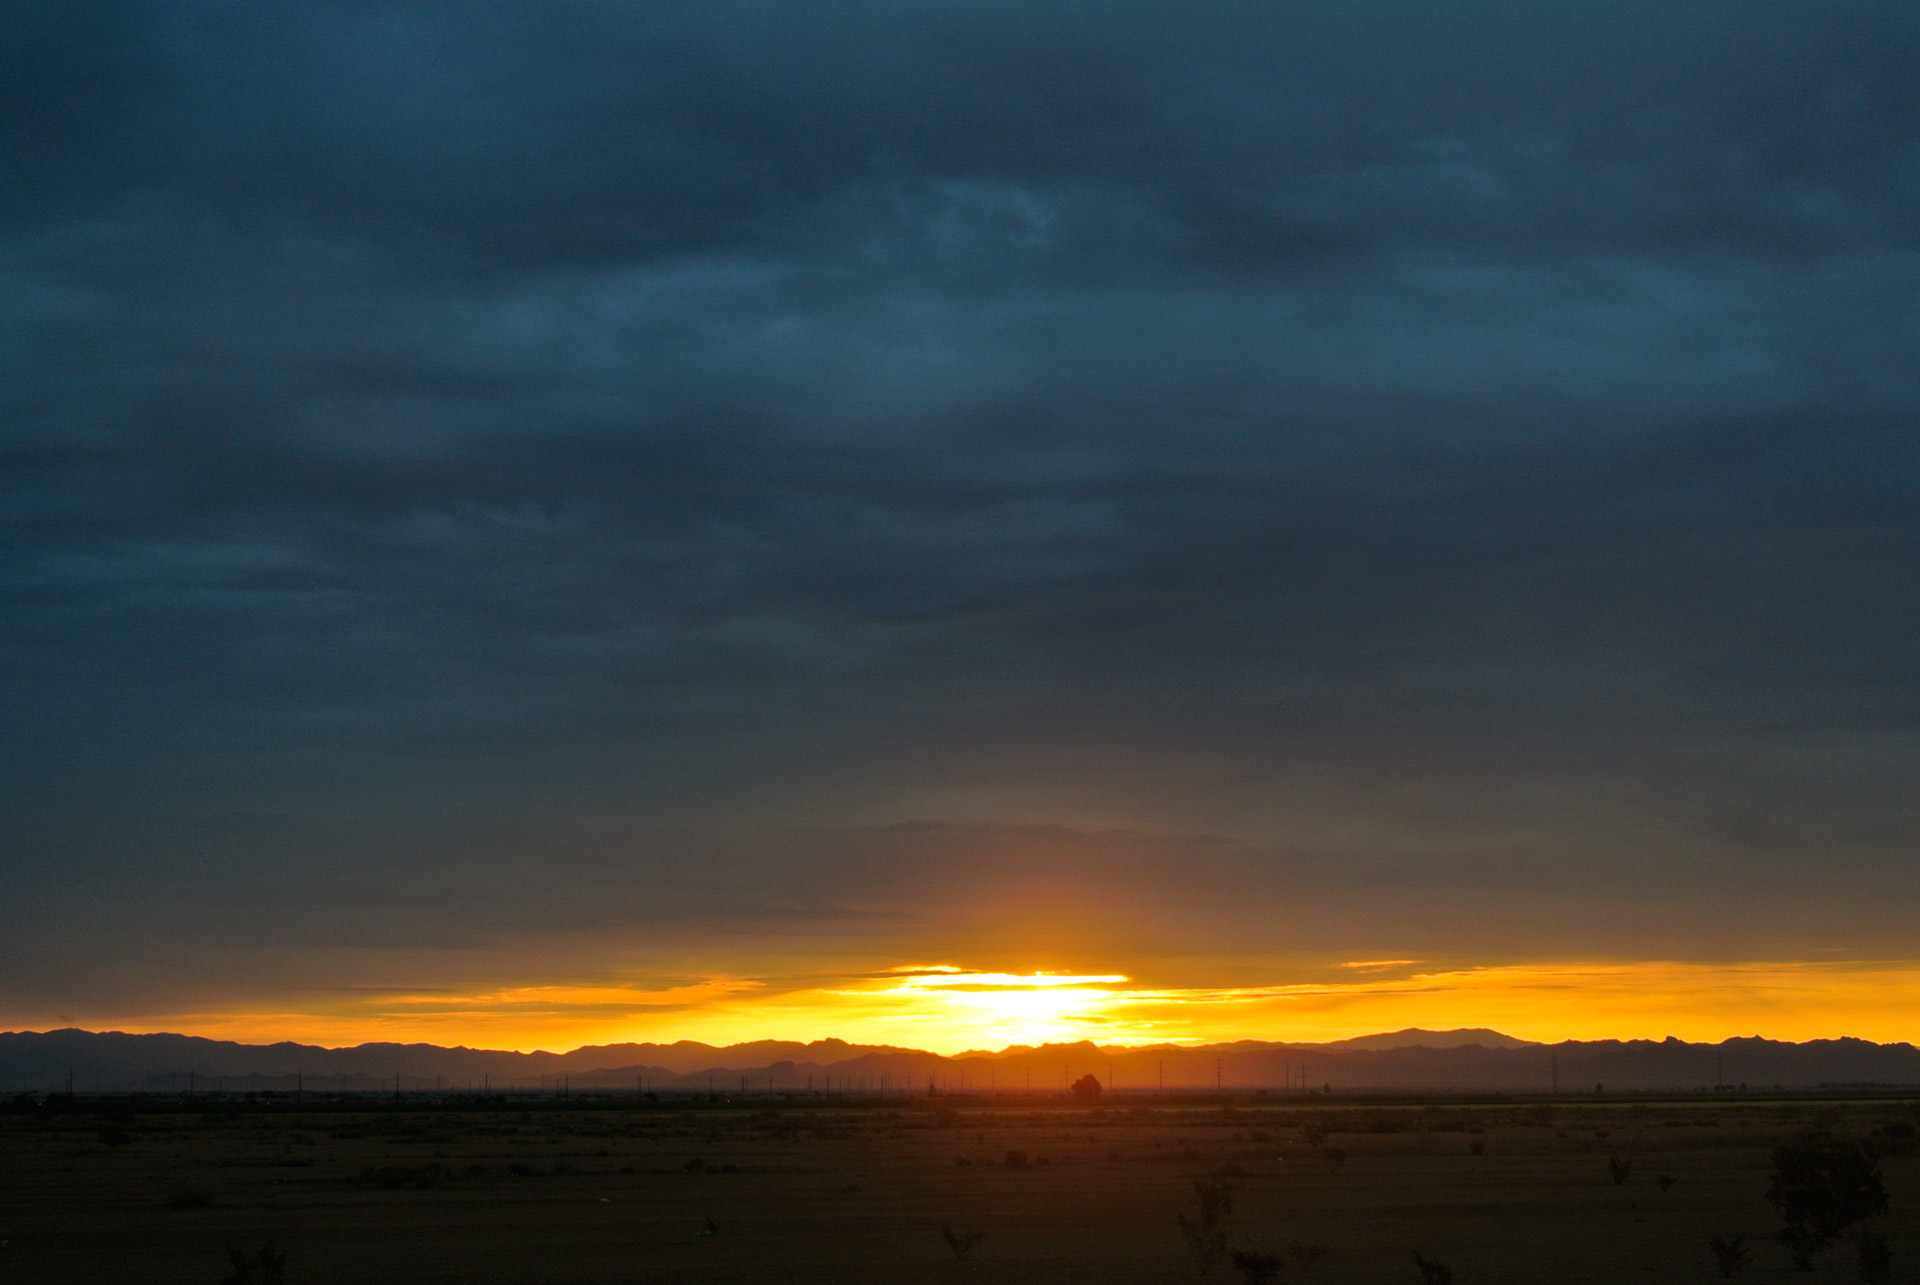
[1218, 1086]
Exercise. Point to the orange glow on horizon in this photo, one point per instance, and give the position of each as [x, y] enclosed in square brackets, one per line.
[946, 1008]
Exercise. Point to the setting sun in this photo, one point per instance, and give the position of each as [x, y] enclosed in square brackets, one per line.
[997, 1009]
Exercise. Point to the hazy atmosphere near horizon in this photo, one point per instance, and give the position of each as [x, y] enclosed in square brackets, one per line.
[955, 523]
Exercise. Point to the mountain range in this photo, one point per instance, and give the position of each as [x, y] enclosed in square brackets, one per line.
[1409, 1060]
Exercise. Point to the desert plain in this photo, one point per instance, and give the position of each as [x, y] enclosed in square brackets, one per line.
[457, 1191]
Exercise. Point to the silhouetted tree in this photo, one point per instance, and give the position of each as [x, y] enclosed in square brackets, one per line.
[1086, 1088]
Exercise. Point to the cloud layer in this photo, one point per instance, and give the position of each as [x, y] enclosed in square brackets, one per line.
[699, 487]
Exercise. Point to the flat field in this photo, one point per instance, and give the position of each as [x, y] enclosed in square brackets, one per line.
[817, 1191]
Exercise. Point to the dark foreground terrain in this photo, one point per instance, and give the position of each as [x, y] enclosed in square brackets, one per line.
[932, 1189]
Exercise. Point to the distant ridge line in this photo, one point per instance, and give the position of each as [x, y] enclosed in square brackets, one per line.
[1413, 1059]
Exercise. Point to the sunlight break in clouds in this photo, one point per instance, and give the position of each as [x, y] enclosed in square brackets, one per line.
[947, 1008]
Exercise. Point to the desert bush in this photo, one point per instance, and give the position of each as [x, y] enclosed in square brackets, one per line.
[115, 1136]
[1205, 1233]
[189, 1198]
[1313, 1133]
[961, 1239]
[1255, 1267]
[1821, 1188]
[1334, 1157]
[393, 1177]
[1432, 1270]
[1207, 1244]
[1305, 1253]
[1016, 1160]
[265, 1266]
[1621, 1170]
[1664, 1181]
[1216, 1193]
[1729, 1255]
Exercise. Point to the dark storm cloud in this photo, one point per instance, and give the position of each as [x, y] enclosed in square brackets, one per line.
[1434, 444]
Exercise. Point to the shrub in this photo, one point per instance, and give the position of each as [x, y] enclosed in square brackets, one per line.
[1205, 1234]
[1620, 1169]
[1305, 1253]
[1432, 1270]
[1207, 1244]
[1875, 1257]
[1215, 1194]
[265, 1266]
[1257, 1268]
[1821, 1188]
[393, 1177]
[190, 1198]
[1334, 1157]
[1016, 1160]
[961, 1240]
[1729, 1255]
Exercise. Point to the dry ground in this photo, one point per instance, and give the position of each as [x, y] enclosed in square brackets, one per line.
[798, 1192]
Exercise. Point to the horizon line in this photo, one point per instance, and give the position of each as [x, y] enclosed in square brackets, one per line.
[1510, 1042]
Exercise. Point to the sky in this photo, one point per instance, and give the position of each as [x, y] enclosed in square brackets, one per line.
[544, 523]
